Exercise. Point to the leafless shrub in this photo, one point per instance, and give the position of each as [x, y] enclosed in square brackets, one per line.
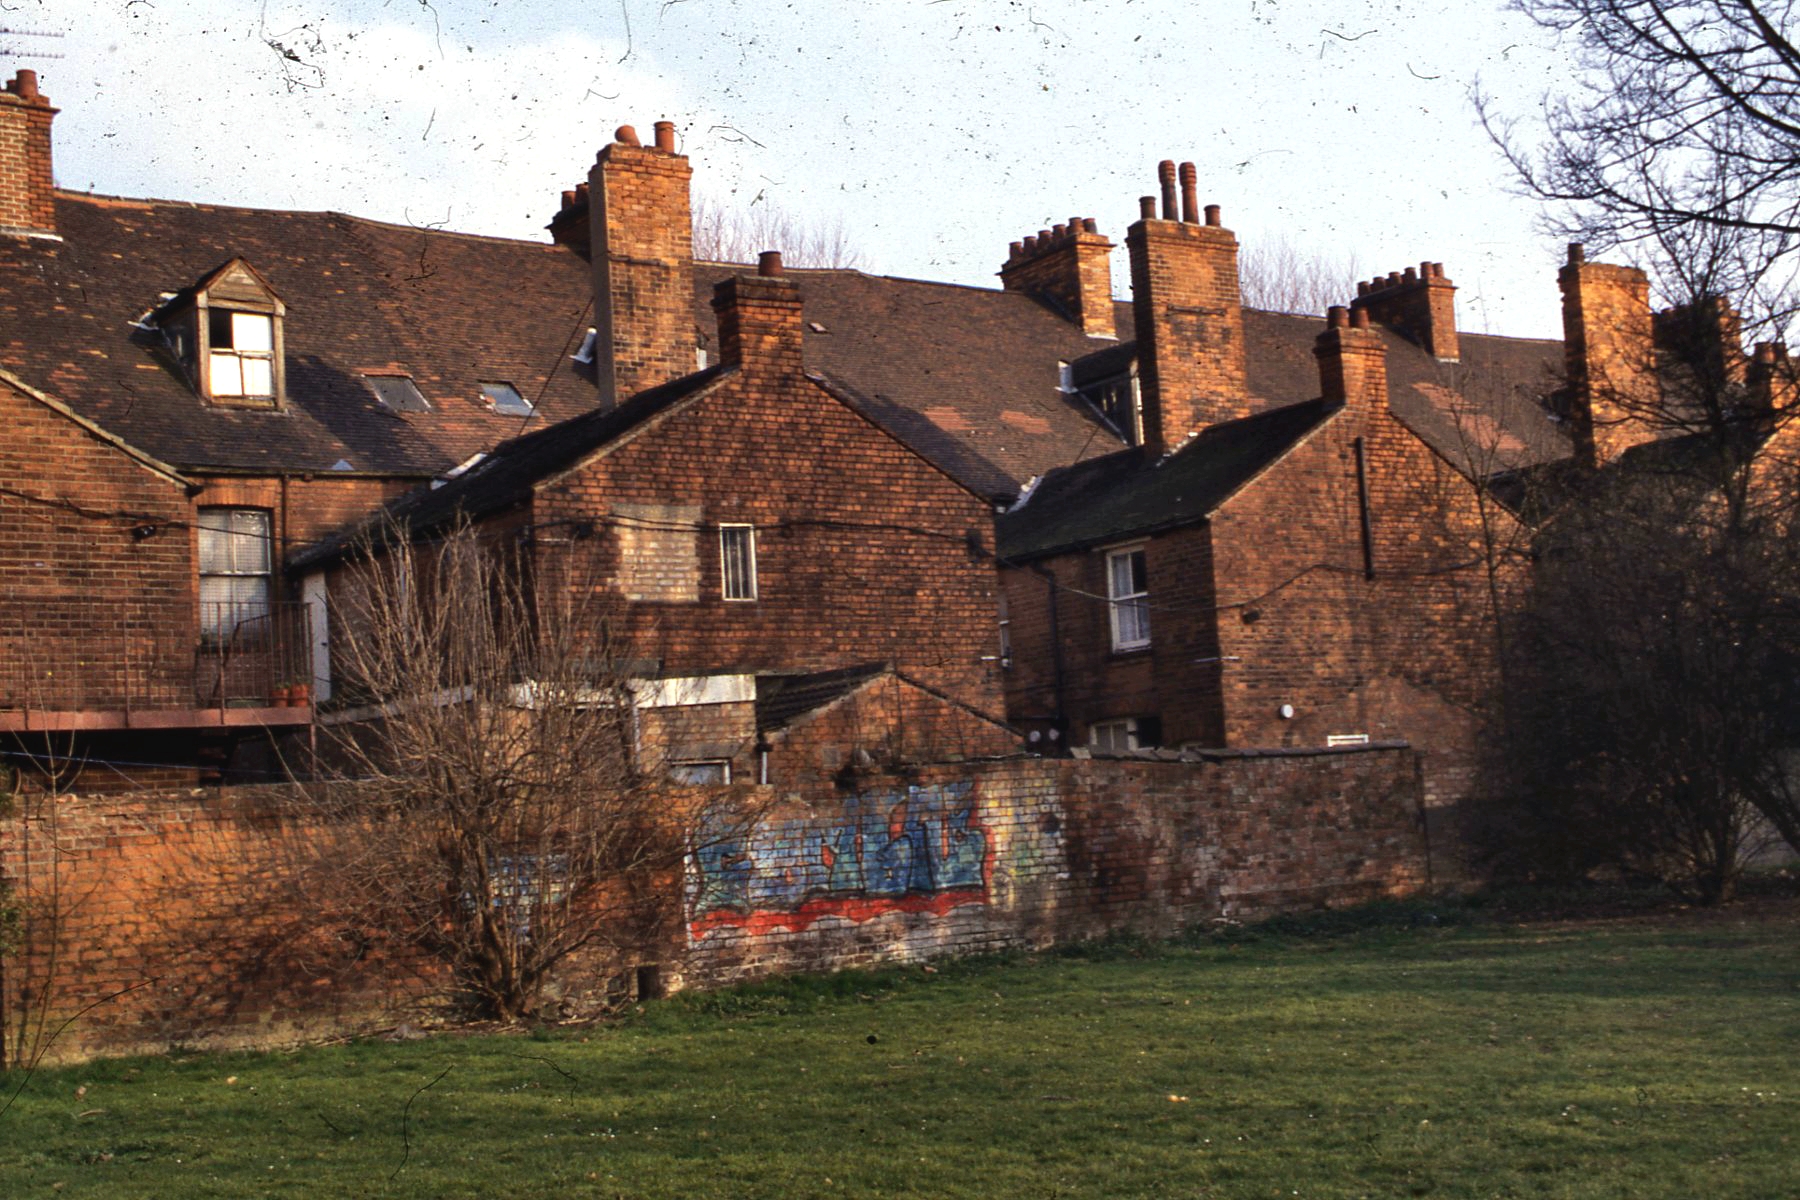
[485, 809]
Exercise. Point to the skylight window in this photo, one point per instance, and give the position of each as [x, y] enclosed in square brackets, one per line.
[504, 398]
[398, 392]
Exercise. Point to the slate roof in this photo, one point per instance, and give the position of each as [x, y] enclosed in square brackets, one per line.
[452, 310]
[968, 377]
[1130, 493]
[1484, 414]
[781, 700]
[506, 475]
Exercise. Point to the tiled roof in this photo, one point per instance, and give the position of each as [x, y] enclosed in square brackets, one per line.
[966, 376]
[1484, 414]
[1131, 493]
[450, 309]
[506, 475]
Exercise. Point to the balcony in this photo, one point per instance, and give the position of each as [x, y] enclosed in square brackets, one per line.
[69, 663]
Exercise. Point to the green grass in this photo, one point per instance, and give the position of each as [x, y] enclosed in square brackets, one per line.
[1404, 1051]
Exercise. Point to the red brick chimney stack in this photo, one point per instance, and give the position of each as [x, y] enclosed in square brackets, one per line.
[1352, 360]
[1066, 268]
[1609, 350]
[1771, 379]
[27, 202]
[1419, 303]
[1189, 315]
[640, 238]
[759, 315]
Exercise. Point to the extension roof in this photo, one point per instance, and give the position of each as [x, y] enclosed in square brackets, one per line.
[506, 475]
[1133, 493]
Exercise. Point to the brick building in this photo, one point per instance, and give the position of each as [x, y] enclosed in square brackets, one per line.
[1222, 526]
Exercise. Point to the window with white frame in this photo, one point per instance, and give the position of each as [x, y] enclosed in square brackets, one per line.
[240, 360]
[1128, 590]
[234, 569]
[737, 561]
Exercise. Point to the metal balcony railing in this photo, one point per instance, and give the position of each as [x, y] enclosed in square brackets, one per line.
[250, 652]
[114, 660]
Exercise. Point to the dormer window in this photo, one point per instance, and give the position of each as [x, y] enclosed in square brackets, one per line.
[226, 331]
[241, 359]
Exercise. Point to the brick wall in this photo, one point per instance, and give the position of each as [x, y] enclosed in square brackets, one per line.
[1175, 678]
[1029, 852]
[887, 723]
[1608, 342]
[864, 552]
[641, 235]
[181, 925]
[1409, 653]
[1189, 320]
[1068, 269]
[27, 202]
[98, 616]
[168, 916]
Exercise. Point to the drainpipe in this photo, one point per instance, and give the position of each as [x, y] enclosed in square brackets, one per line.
[1056, 650]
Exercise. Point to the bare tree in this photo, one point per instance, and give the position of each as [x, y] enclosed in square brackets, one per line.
[1651, 704]
[486, 810]
[738, 235]
[1682, 138]
[1278, 276]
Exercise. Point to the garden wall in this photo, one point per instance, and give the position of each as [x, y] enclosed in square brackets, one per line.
[967, 858]
[168, 919]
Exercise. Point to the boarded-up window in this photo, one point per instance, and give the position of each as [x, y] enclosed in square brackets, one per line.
[659, 551]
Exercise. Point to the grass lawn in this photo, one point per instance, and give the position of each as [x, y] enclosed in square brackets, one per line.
[1642, 1057]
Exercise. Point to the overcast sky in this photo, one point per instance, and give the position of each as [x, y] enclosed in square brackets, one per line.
[938, 130]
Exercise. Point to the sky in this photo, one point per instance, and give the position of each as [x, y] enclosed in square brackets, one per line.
[936, 131]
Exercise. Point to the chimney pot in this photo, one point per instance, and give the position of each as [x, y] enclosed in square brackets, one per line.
[665, 136]
[1577, 254]
[625, 135]
[1189, 203]
[1212, 215]
[769, 262]
[1017, 249]
[1147, 207]
[1031, 243]
[1337, 316]
[581, 191]
[568, 198]
[1165, 174]
[25, 85]
[1359, 319]
[1362, 287]
[1088, 225]
[1411, 276]
[1061, 232]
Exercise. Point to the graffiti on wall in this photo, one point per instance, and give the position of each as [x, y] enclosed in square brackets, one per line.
[918, 849]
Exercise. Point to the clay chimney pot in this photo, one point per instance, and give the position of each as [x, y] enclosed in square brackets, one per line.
[769, 262]
[665, 136]
[625, 135]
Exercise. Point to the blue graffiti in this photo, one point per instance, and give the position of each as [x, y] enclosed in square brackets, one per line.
[917, 842]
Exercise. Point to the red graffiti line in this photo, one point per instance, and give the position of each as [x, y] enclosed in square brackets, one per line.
[850, 908]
